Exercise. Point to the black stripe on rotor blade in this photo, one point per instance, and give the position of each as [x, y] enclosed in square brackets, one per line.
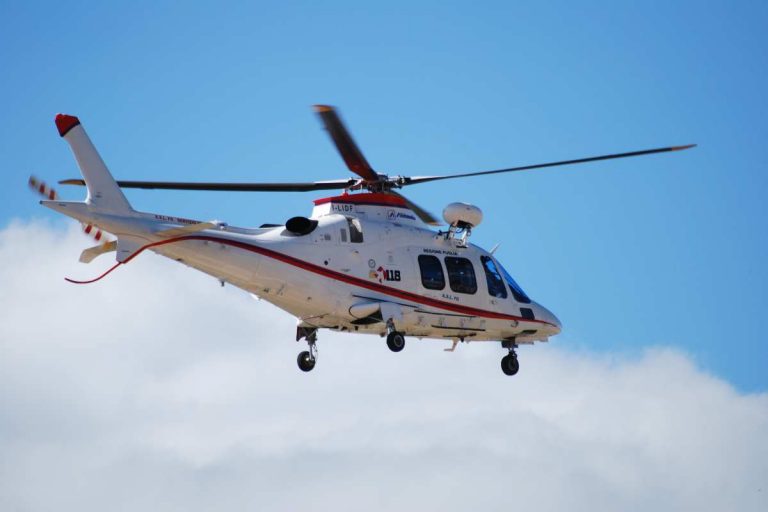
[230, 187]
[346, 146]
[424, 179]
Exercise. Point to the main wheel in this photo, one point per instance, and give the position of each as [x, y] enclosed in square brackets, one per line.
[509, 364]
[306, 361]
[395, 341]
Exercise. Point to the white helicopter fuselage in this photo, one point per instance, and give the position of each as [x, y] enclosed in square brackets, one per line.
[363, 263]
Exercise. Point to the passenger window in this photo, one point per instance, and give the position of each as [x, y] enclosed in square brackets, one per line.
[432, 276]
[496, 286]
[461, 275]
[355, 230]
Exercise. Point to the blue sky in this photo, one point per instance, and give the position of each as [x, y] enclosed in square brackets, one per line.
[662, 250]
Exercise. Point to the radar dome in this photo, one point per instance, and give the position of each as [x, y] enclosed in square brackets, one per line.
[462, 215]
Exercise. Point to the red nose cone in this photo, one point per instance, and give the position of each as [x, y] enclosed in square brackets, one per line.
[65, 123]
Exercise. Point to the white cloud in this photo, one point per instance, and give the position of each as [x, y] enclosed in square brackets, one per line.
[156, 389]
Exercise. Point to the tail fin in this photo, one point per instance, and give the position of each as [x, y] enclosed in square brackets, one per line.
[103, 191]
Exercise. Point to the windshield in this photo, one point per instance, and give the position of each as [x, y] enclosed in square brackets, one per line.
[517, 292]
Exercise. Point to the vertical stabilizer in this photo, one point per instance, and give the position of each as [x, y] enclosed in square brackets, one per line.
[103, 191]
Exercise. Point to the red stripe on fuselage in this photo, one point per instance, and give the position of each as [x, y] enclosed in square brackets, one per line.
[355, 281]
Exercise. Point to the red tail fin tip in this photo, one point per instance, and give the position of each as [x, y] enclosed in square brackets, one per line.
[64, 123]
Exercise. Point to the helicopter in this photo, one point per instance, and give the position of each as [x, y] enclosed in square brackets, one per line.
[367, 260]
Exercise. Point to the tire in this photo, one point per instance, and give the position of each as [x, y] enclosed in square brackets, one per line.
[510, 365]
[395, 341]
[305, 361]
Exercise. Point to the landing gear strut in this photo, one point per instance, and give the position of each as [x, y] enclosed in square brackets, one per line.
[308, 358]
[509, 363]
[395, 340]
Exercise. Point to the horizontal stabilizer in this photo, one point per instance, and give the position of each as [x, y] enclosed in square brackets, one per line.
[128, 245]
[91, 253]
[75, 209]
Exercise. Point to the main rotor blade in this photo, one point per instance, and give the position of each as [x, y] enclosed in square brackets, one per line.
[351, 154]
[418, 210]
[424, 179]
[231, 187]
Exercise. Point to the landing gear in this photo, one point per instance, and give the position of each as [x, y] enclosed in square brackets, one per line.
[395, 340]
[307, 359]
[509, 363]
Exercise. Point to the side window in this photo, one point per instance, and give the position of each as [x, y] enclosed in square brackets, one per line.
[355, 230]
[496, 286]
[432, 276]
[461, 274]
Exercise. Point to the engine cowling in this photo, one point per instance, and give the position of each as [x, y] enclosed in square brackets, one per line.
[462, 215]
[300, 226]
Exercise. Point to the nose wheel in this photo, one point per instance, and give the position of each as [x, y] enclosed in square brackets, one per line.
[509, 363]
[308, 358]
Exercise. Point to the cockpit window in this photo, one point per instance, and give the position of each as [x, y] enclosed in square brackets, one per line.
[496, 286]
[355, 230]
[517, 292]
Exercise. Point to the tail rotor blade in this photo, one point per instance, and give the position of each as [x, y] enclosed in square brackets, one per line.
[43, 189]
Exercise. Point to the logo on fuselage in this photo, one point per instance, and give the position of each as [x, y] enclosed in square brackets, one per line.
[393, 215]
[382, 274]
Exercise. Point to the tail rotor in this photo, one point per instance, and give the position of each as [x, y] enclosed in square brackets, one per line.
[106, 244]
